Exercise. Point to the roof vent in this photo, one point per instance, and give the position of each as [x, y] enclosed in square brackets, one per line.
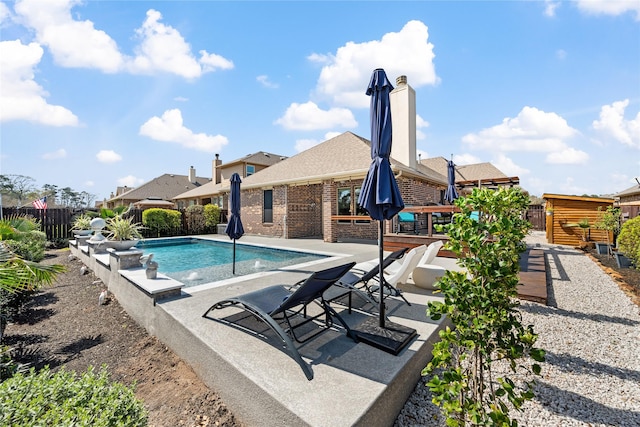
[402, 80]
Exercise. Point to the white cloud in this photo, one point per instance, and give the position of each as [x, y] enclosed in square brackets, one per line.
[180, 99]
[72, 43]
[532, 130]
[58, 154]
[421, 124]
[507, 165]
[567, 156]
[170, 128]
[130, 181]
[609, 7]
[550, 8]
[561, 54]
[309, 116]
[345, 75]
[5, 13]
[75, 43]
[163, 48]
[89, 183]
[264, 80]
[465, 159]
[21, 97]
[108, 156]
[613, 124]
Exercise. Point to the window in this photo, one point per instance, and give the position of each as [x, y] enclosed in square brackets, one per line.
[251, 169]
[360, 210]
[267, 206]
[348, 205]
[344, 203]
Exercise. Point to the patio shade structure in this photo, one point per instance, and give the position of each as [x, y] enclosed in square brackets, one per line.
[234, 227]
[450, 195]
[380, 197]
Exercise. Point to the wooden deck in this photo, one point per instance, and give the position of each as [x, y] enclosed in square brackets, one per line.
[533, 273]
[533, 276]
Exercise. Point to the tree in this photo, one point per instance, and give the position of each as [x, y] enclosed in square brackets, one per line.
[481, 303]
[17, 186]
[51, 191]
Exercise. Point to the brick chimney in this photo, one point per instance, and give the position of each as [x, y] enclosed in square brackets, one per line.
[403, 121]
[216, 175]
[192, 175]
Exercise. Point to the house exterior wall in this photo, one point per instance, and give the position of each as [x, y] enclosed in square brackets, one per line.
[304, 211]
[252, 212]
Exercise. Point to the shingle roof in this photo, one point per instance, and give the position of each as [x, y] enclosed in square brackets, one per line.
[204, 190]
[260, 158]
[165, 187]
[347, 155]
[472, 172]
[635, 189]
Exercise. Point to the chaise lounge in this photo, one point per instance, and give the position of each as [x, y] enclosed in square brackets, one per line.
[282, 306]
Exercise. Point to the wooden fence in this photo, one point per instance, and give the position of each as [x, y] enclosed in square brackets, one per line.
[57, 222]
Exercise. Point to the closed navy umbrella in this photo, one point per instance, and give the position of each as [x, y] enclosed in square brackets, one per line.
[380, 195]
[451, 194]
[234, 227]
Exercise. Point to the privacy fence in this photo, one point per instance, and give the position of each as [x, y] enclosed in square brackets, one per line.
[57, 222]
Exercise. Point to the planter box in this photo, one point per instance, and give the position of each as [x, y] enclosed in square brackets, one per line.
[603, 248]
[623, 261]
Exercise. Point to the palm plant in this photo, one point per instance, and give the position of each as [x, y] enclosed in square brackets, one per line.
[119, 228]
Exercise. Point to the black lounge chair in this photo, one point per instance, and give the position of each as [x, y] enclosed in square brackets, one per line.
[277, 306]
[359, 283]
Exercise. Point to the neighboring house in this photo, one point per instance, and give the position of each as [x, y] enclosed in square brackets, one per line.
[565, 212]
[212, 192]
[474, 175]
[629, 202]
[158, 191]
[314, 193]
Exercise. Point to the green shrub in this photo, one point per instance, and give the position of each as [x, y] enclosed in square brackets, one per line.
[161, 220]
[629, 240]
[481, 303]
[212, 215]
[30, 245]
[194, 217]
[8, 367]
[64, 399]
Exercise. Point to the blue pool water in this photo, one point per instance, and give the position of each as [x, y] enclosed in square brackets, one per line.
[195, 261]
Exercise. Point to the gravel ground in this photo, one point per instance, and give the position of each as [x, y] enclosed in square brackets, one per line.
[591, 333]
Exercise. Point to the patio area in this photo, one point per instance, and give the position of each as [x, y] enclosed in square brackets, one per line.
[354, 383]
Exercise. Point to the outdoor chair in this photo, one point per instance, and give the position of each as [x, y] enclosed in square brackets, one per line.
[284, 309]
[368, 283]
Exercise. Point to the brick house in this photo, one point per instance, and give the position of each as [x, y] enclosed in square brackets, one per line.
[213, 191]
[156, 193]
[629, 202]
[300, 196]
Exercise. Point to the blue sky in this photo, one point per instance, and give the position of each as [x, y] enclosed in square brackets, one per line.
[97, 94]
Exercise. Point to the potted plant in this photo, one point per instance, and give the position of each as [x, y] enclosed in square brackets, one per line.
[122, 233]
[81, 225]
[609, 221]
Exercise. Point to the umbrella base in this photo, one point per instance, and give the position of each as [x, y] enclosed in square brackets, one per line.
[391, 339]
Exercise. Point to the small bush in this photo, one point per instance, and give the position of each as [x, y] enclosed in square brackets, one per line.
[211, 215]
[629, 240]
[64, 399]
[30, 245]
[194, 217]
[8, 367]
[161, 220]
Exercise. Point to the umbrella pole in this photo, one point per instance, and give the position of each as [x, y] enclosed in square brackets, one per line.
[381, 272]
[234, 257]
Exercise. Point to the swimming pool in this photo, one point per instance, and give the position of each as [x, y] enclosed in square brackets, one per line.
[195, 261]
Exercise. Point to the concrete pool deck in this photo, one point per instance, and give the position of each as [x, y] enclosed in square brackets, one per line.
[354, 383]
